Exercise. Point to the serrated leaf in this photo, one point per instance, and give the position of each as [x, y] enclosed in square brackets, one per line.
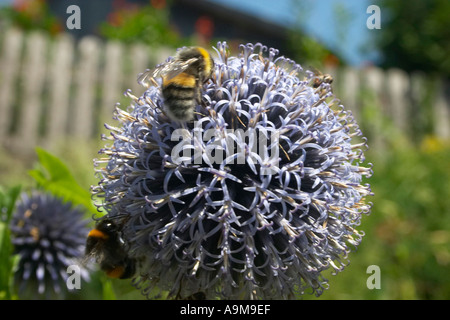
[55, 177]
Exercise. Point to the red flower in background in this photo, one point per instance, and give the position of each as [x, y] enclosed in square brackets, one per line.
[29, 7]
[34, 14]
[158, 4]
[204, 26]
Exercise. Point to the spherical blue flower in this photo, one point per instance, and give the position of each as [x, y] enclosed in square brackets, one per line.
[48, 235]
[254, 198]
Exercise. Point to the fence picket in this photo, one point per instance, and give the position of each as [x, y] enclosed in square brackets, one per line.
[374, 82]
[86, 73]
[442, 111]
[348, 90]
[112, 77]
[10, 66]
[420, 116]
[397, 86]
[60, 79]
[139, 61]
[33, 78]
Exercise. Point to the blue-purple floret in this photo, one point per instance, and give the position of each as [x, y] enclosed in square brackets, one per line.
[265, 227]
[48, 236]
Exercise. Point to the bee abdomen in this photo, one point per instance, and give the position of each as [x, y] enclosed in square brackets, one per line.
[124, 269]
[180, 101]
[174, 92]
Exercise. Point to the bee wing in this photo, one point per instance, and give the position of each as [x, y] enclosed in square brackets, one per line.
[144, 78]
[315, 71]
[94, 255]
[168, 70]
[175, 67]
[147, 78]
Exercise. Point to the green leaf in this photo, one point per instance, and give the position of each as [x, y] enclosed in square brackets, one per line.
[7, 205]
[108, 291]
[54, 177]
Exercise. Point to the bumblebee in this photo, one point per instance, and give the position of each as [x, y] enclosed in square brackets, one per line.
[182, 79]
[321, 78]
[105, 244]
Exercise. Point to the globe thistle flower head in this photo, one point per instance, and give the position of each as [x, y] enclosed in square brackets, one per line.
[254, 198]
[48, 235]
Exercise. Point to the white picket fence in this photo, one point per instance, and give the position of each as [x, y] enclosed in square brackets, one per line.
[52, 88]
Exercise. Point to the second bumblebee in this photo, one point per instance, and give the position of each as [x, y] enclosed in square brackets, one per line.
[105, 244]
[322, 78]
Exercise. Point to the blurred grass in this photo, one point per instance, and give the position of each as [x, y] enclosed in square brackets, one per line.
[408, 230]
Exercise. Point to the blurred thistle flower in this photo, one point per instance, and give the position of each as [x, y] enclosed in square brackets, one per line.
[48, 235]
[251, 225]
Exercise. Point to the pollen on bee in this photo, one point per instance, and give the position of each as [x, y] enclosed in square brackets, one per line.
[116, 272]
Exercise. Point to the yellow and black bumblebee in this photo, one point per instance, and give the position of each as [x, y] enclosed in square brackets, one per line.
[320, 78]
[105, 245]
[182, 79]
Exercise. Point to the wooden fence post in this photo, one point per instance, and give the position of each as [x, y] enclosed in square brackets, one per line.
[33, 78]
[60, 80]
[349, 89]
[138, 55]
[442, 110]
[374, 79]
[86, 77]
[113, 76]
[10, 66]
[397, 86]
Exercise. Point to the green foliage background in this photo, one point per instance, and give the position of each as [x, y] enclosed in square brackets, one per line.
[416, 35]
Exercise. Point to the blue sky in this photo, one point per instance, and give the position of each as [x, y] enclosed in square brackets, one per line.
[340, 24]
